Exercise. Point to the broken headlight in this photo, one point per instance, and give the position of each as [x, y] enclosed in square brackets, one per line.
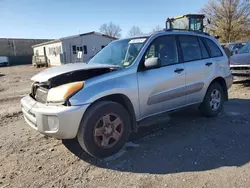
[61, 93]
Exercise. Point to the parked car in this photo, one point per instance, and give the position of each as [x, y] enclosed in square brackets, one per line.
[40, 61]
[235, 47]
[130, 82]
[240, 62]
[4, 61]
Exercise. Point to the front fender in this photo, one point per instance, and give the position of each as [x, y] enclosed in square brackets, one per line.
[95, 89]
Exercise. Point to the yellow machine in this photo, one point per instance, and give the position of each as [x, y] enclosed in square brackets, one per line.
[188, 22]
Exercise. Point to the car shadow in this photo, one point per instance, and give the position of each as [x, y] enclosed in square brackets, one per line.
[188, 142]
[2, 75]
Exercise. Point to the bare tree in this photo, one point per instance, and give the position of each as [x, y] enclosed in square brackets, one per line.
[135, 30]
[157, 28]
[111, 29]
[228, 18]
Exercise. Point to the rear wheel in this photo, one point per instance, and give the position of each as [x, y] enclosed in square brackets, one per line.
[104, 129]
[213, 101]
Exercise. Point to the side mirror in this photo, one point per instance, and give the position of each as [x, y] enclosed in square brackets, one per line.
[152, 62]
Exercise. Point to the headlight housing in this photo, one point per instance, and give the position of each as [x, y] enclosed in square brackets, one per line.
[61, 93]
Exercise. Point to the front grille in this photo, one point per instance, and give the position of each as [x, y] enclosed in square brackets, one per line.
[240, 68]
[41, 94]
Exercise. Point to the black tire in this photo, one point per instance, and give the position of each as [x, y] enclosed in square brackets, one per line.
[205, 107]
[37, 66]
[85, 134]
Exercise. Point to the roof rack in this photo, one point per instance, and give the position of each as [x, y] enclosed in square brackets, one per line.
[186, 30]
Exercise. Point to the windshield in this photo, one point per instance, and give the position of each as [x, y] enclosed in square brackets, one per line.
[121, 52]
[180, 24]
[230, 46]
[245, 49]
[183, 23]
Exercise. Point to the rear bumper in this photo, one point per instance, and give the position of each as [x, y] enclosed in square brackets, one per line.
[57, 121]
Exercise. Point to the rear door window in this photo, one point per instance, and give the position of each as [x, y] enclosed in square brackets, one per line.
[204, 51]
[190, 48]
[212, 47]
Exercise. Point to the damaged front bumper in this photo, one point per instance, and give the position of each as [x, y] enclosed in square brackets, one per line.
[57, 121]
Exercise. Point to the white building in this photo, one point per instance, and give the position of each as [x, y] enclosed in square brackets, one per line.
[77, 48]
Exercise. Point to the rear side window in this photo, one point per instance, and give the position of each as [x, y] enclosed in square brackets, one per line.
[190, 48]
[204, 52]
[213, 48]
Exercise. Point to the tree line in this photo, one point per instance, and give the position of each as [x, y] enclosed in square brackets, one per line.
[114, 30]
[228, 19]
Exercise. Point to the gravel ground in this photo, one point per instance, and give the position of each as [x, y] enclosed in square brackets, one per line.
[188, 151]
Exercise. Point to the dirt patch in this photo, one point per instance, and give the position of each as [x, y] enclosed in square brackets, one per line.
[9, 118]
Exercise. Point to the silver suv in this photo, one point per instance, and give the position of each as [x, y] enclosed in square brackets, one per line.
[128, 83]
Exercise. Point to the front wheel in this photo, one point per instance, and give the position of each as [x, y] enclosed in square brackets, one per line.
[213, 101]
[104, 129]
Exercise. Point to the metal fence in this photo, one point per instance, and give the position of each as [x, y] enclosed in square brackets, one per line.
[20, 60]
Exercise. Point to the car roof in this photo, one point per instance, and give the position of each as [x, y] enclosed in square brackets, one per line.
[169, 32]
[138, 36]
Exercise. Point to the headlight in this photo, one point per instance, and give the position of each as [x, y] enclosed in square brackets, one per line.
[61, 93]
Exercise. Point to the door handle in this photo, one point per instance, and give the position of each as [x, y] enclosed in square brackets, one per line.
[209, 64]
[179, 70]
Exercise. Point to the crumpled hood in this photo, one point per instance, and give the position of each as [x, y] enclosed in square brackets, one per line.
[56, 71]
[240, 59]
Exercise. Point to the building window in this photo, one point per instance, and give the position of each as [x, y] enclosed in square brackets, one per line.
[74, 49]
[85, 49]
[54, 50]
[80, 48]
[58, 50]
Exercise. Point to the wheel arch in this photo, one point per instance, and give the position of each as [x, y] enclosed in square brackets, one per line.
[125, 102]
[223, 84]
